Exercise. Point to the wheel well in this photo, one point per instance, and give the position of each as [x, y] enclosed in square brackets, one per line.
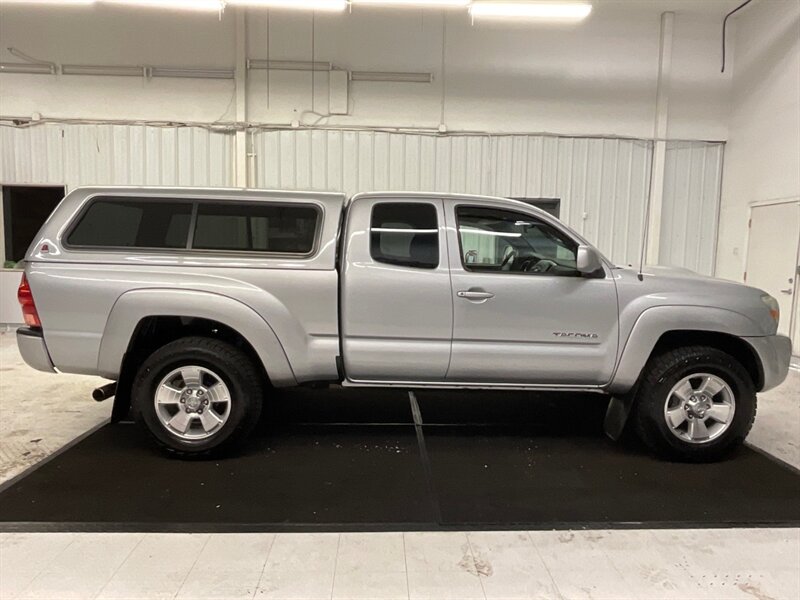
[151, 333]
[731, 344]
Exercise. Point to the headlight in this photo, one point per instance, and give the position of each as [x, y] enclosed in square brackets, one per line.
[774, 308]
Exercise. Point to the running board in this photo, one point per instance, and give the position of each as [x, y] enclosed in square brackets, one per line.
[457, 385]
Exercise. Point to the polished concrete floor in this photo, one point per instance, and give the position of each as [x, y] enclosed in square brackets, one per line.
[39, 413]
[750, 564]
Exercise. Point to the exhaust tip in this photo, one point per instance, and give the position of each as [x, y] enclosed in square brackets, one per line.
[105, 392]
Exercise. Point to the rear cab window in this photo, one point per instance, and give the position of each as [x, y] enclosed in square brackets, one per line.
[196, 224]
[405, 234]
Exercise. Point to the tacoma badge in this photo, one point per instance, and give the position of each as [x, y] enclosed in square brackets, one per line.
[576, 334]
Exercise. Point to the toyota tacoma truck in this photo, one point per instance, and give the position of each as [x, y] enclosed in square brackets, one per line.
[197, 302]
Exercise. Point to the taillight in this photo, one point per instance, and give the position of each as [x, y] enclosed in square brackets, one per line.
[25, 297]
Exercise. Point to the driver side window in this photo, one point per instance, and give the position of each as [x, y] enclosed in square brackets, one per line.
[497, 240]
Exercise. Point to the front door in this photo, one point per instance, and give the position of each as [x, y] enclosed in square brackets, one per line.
[397, 309]
[772, 257]
[522, 312]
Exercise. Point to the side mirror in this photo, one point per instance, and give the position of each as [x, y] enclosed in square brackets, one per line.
[588, 260]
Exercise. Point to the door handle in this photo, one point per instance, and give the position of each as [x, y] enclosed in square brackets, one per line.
[787, 291]
[475, 294]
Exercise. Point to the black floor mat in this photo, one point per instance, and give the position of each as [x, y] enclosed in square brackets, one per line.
[322, 461]
[513, 477]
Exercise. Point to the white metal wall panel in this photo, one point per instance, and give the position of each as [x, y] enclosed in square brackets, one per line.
[690, 213]
[75, 155]
[602, 183]
[32, 155]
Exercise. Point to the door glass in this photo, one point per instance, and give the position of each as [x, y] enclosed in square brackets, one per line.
[496, 240]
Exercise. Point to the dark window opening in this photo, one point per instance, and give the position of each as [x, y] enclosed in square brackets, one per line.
[406, 234]
[551, 206]
[25, 209]
[256, 228]
[133, 223]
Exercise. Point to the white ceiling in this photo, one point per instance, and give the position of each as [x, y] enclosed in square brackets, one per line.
[698, 7]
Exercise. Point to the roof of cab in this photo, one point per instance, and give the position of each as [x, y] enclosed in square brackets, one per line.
[453, 197]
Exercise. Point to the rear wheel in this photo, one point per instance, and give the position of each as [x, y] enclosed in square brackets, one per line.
[198, 395]
[694, 404]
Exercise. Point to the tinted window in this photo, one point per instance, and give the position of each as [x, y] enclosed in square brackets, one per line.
[256, 228]
[405, 234]
[506, 241]
[132, 223]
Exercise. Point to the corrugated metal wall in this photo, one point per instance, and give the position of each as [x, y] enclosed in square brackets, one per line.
[690, 213]
[602, 183]
[75, 155]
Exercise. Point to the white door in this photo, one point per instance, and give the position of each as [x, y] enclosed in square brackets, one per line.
[772, 257]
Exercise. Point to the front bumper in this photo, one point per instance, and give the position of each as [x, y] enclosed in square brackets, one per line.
[33, 349]
[775, 353]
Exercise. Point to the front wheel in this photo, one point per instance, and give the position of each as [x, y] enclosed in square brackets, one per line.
[694, 404]
[197, 395]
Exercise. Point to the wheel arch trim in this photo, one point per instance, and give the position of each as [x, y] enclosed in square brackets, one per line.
[134, 306]
[657, 321]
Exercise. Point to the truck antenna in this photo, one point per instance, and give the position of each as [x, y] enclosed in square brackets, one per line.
[646, 223]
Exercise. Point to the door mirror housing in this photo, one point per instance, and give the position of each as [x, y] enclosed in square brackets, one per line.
[588, 261]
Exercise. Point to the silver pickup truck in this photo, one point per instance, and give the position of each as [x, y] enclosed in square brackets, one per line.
[197, 302]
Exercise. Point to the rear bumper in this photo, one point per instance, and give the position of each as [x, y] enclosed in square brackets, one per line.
[775, 353]
[33, 349]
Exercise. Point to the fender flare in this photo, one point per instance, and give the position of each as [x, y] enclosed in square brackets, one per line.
[656, 321]
[135, 305]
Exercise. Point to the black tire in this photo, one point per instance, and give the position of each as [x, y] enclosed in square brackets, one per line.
[662, 373]
[234, 367]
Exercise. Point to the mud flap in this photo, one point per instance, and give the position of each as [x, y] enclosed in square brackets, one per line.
[617, 414]
[121, 411]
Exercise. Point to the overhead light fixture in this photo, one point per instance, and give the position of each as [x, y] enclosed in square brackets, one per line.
[388, 76]
[51, 2]
[112, 71]
[191, 73]
[29, 68]
[196, 5]
[417, 3]
[329, 5]
[554, 11]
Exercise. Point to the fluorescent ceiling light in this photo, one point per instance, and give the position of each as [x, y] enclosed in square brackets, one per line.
[332, 5]
[50, 2]
[557, 11]
[199, 5]
[417, 3]
[32, 68]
